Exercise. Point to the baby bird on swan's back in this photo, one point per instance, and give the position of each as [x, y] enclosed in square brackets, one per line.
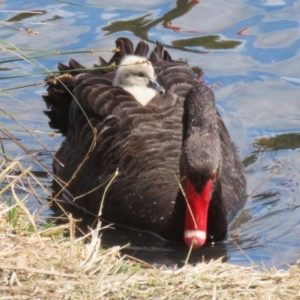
[136, 75]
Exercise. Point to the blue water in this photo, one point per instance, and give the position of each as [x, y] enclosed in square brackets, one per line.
[256, 77]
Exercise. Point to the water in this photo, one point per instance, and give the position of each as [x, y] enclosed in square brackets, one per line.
[249, 52]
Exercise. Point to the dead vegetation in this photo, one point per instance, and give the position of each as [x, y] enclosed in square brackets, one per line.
[38, 262]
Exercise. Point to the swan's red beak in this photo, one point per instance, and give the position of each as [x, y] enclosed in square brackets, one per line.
[195, 230]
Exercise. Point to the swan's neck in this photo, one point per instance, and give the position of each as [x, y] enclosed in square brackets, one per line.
[142, 94]
[200, 161]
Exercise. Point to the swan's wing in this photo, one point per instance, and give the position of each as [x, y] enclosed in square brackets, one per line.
[116, 132]
[232, 176]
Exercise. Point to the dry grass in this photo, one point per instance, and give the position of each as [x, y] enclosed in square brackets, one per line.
[39, 263]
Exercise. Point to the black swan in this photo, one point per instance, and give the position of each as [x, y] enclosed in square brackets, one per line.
[179, 174]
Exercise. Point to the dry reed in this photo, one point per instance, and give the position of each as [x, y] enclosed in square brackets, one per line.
[42, 264]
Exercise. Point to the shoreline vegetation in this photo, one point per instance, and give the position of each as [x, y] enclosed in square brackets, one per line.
[41, 260]
[38, 261]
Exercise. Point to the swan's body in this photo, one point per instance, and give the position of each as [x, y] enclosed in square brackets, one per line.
[155, 143]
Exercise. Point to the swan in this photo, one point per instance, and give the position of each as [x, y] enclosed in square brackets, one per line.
[179, 174]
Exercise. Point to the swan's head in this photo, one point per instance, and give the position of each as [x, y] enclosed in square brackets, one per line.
[136, 75]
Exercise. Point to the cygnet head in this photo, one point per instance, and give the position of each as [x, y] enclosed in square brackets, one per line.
[136, 75]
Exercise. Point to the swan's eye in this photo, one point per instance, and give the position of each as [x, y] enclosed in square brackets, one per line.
[141, 75]
[213, 177]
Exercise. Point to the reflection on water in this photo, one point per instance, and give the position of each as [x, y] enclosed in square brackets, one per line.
[207, 42]
[259, 78]
[141, 26]
[279, 142]
[153, 251]
[25, 15]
